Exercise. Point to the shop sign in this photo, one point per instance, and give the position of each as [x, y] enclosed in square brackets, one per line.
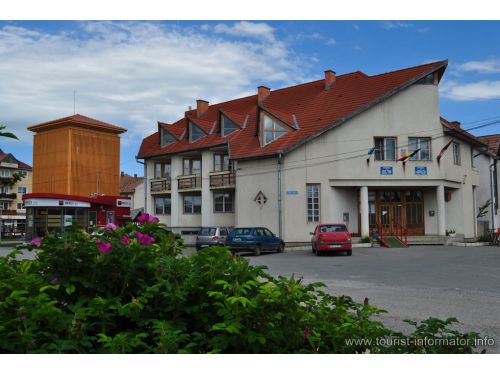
[386, 171]
[123, 203]
[421, 171]
[50, 202]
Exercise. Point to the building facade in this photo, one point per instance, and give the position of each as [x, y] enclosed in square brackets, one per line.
[13, 213]
[133, 187]
[369, 151]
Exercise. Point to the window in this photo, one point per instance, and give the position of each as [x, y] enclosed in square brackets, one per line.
[163, 205]
[456, 153]
[5, 189]
[424, 144]
[166, 137]
[223, 202]
[228, 126]
[260, 199]
[221, 163]
[22, 173]
[22, 190]
[313, 202]
[5, 173]
[4, 205]
[192, 204]
[427, 80]
[163, 170]
[195, 133]
[272, 130]
[191, 167]
[20, 206]
[385, 148]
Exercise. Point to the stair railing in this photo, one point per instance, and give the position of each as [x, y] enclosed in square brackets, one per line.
[380, 235]
[401, 233]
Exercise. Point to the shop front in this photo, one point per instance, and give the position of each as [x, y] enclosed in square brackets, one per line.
[52, 213]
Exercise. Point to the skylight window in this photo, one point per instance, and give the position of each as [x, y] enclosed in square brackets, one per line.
[166, 137]
[195, 133]
[272, 130]
[228, 126]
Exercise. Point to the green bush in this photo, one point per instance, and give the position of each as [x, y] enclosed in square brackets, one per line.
[120, 292]
[365, 239]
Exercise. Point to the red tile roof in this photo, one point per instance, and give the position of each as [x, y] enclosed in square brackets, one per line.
[311, 107]
[493, 142]
[453, 127]
[77, 120]
[128, 183]
[20, 164]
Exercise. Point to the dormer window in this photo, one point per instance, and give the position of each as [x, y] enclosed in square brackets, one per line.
[166, 137]
[228, 126]
[272, 130]
[195, 133]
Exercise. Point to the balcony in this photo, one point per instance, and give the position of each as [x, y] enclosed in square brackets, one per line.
[161, 185]
[222, 180]
[192, 182]
[5, 196]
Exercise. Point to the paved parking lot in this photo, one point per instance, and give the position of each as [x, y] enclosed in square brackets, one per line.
[411, 283]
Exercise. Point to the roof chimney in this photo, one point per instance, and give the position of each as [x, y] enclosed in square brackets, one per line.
[135, 175]
[330, 77]
[263, 92]
[201, 107]
[122, 174]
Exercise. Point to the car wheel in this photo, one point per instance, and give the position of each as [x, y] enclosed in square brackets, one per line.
[349, 252]
[281, 248]
[257, 250]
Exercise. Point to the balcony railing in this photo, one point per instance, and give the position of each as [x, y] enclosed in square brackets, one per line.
[189, 182]
[8, 196]
[161, 185]
[222, 179]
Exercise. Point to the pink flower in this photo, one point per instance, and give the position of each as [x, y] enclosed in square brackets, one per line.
[125, 239]
[110, 227]
[103, 247]
[144, 239]
[54, 281]
[36, 241]
[145, 217]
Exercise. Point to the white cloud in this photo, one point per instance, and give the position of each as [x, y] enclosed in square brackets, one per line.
[486, 66]
[330, 41]
[482, 90]
[395, 25]
[258, 30]
[132, 73]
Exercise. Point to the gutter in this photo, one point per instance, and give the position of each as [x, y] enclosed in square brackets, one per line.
[280, 221]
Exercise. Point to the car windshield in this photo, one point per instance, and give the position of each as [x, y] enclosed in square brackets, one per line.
[207, 232]
[241, 232]
[332, 228]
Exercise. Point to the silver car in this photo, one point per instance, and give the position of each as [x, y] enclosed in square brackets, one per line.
[211, 236]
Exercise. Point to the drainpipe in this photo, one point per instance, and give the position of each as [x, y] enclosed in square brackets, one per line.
[145, 183]
[280, 224]
[492, 203]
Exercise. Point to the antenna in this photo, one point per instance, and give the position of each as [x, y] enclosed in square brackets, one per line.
[74, 101]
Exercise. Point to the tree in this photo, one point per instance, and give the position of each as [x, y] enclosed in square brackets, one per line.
[483, 210]
[16, 176]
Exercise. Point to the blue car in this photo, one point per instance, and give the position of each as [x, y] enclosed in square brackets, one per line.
[255, 240]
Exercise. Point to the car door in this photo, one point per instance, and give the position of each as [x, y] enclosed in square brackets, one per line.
[223, 235]
[314, 238]
[272, 240]
[260, 238]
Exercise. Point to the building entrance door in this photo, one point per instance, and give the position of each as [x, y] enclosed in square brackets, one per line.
[390, 215]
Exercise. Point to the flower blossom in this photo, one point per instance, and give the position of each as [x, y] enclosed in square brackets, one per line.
[145, 218]
[125, 240]
[110, 227]
[103, 247]
[144, 239]
[36, 241]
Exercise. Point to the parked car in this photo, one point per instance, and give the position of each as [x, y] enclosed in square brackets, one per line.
[254, 239]
[331, 237]
[211, 236]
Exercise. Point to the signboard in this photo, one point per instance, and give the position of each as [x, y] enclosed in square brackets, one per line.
[68, 220]
[386, 171]
[421, 171]
[292, 192]
[123, 203]
[49, 202]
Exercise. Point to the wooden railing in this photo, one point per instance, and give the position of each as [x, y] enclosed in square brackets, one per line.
[161, 185]
[401, 233]
[189, 182]
[222, 179]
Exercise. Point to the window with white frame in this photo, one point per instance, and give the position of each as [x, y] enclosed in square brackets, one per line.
[313, 207]
[5, 173]
[192, 204]
[163, 170]
[223, 202]
[272, 130]
[166, 137]
[163, 205]
[424, 144]
[228, 126]
[385, 148]
[4, 205]
[5, 189]
[195, 133]
[22, 190]
[456, 153]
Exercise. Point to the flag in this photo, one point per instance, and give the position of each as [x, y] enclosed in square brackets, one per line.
[438, 158]
[408, 155]
[371, 150]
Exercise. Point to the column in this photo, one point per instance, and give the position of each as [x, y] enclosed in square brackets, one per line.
[441, 210]
[365, 223]
[175, 197]
[207, 206]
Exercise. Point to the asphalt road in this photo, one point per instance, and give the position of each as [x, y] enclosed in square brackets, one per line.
[413, 283]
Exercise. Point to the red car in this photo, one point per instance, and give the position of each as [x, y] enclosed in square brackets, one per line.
[331, 237]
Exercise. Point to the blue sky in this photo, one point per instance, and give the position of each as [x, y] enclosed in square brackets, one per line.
[133, 74]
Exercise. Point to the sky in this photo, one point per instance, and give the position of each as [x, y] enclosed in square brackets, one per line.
[136, 73]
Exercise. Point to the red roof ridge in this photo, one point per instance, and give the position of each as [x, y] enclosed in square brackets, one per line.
[434, 64]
